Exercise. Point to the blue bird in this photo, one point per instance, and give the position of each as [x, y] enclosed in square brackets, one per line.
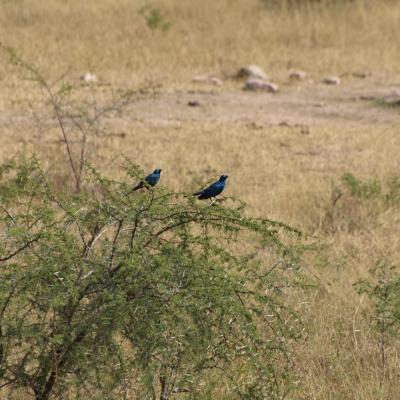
[213, 190]
[151, 179]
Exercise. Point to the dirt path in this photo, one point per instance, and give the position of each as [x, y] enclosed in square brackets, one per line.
[307, 104]
[354, 102]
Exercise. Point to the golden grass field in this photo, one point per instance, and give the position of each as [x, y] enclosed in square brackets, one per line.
[285, 157]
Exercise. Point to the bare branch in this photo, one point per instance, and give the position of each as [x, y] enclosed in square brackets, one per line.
[26, 245]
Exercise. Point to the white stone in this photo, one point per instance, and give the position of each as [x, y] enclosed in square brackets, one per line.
[207, 79]
[252, 71]
[89, 77]
[216, 81]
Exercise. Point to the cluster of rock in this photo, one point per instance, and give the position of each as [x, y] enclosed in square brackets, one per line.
[255, 79]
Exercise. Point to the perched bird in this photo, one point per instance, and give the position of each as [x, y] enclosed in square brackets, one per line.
[213, 190]
[151, 179]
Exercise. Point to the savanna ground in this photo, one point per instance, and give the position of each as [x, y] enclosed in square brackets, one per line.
[285, 153]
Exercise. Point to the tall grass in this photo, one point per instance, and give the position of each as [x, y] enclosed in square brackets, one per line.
[117, 41]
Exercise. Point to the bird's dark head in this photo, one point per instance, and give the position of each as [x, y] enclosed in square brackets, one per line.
[223, 178]
[157, 171]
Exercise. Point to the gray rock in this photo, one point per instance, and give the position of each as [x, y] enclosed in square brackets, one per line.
[331, 80]
[393, 99]
[259, 85]
[298, 76]
[361, 74]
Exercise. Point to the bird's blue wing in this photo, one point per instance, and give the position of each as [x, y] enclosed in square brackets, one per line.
[211, 191]
[152, 179]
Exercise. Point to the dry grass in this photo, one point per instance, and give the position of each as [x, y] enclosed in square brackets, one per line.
[209, 36]
[280, 172]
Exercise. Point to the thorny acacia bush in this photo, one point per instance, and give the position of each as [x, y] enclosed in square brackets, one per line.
[105, 294]
[77, 120]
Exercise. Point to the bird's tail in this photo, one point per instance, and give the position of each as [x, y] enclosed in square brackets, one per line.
[196, 194]
[137, 187]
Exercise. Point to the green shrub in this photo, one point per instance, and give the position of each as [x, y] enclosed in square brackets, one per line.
[361, 189]
[102, 292]
[154, 18]
[387, 192]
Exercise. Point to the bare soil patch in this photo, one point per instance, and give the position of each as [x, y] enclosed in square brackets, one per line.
[354, 102]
